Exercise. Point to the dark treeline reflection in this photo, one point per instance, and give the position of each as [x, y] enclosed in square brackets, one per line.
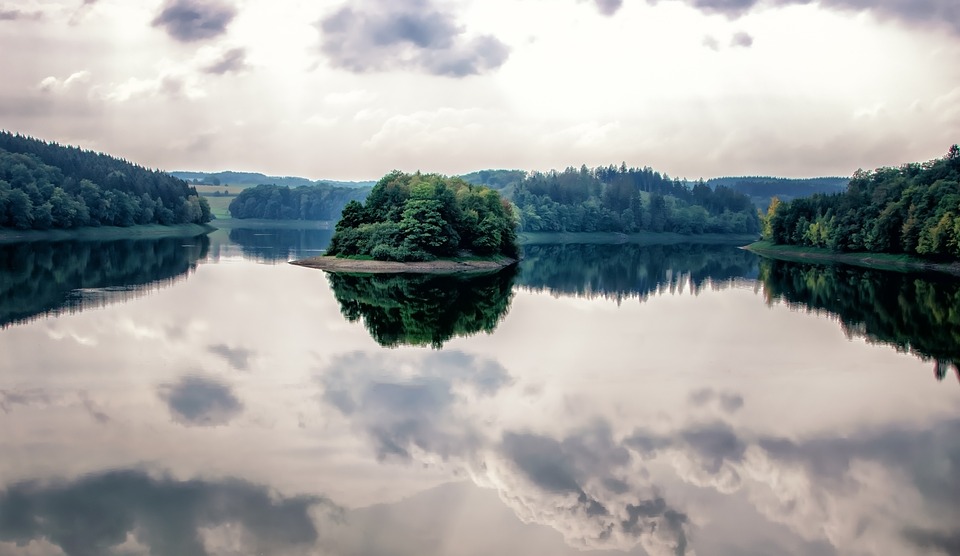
[424, 310]
[630, 270]
[40, 278]
[919, 314]
[275, 245]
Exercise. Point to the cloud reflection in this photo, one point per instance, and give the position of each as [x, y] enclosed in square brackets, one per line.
[95, 515]
[200, 401]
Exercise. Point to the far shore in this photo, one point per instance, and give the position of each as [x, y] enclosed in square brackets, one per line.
[144, 231]
[440, 266]
[880, 261]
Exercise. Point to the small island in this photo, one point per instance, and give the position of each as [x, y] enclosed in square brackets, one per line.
[422, 223]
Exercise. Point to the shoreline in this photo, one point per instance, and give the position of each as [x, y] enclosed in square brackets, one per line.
[879, 261]
[368, 266]
[143, 231]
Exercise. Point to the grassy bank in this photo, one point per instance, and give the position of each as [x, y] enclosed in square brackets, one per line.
[641, 238]
[105, 233]
[882, 261]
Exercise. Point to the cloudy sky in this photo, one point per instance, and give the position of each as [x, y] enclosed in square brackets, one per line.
[351, 90]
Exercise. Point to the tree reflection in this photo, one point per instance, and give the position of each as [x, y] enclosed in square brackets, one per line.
[280, 245]
[42, 278]
[624, 271]
[918, 314]
[423, 310]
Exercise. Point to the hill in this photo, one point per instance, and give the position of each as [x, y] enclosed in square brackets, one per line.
[47, 186]
[255, 178]
[762, 189]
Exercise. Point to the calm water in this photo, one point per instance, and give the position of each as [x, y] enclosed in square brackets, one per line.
[199, 396]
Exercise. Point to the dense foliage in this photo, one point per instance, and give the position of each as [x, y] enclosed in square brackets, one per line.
[913, 313]
[279, 202]
[417, 217]
[913, 210]
[626, 200]
[43, 278]
[46, 185]
[424, 310]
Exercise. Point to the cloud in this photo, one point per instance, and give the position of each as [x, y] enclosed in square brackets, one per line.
[920, 12]
[232, 60]
[52, 84]
[33, 397]
[729, 402]
[711, 43]
[741, 39]
[384, 35]
[608, 7]
[194, 20]
[237, 357]
[198, 401]
[14, 14]
[97, 513]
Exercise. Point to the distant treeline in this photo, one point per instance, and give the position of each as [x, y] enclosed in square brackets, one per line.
[279, 202]
[913, 209]
[762, 189]
[46, 185]
[256, 178]
[621, 199]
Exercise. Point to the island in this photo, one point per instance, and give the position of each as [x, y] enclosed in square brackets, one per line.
[422, 223]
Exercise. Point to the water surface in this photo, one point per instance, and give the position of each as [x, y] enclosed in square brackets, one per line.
[200, 397]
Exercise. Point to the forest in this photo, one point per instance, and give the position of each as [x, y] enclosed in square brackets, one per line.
[603, 199]
[420, 217]
[279, 202]
[50, 186]
[912, 210]
[627, 200]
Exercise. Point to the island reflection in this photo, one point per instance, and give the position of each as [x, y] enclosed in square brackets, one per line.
[424, 310]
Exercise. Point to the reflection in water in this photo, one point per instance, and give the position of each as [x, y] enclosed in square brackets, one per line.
[280, 245]
[424, 310]
[586, 484]
[49, 278]
[919, 314]
[131, 512]
[679, 426]
[625, 271]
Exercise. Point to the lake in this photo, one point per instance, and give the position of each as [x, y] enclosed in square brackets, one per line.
[199, 396]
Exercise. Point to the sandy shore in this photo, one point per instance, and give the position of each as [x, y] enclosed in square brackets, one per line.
[335, 264]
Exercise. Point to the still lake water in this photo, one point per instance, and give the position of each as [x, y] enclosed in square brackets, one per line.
[201, 396]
